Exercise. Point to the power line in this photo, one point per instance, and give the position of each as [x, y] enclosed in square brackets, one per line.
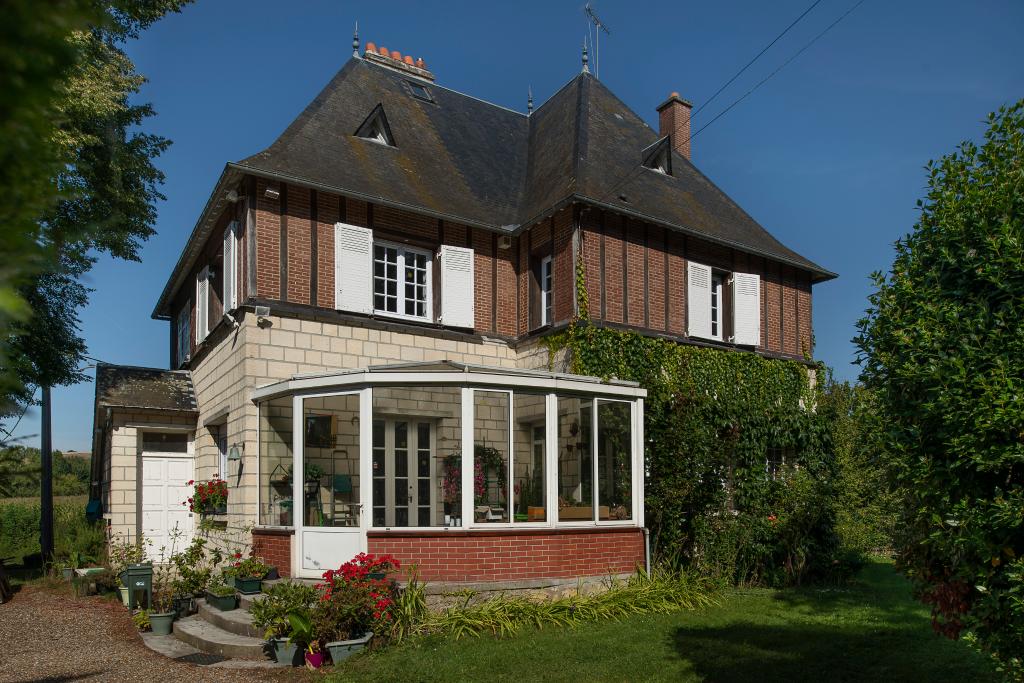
[629, 176]
[757, 56]
[783, 66]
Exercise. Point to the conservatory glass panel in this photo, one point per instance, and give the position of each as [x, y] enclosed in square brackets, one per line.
[331, 460]
[529, 455]
[614, 460]
[415, 463]
[490, 456]
[275, 466]
[575, 469]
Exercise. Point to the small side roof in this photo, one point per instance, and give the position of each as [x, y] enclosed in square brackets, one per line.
[126, 386]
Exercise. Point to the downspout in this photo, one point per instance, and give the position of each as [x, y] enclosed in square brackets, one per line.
[647, 551]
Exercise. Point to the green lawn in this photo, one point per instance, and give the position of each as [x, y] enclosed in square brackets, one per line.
[870, 630]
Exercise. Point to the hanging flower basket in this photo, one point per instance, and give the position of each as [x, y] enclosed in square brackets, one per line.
[208, 497]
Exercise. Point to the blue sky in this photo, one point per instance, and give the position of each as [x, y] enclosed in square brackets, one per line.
[827, 155]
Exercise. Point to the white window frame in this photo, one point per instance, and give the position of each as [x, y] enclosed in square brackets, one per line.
[402, 249]
[222, 451]
[183, 346]
[717, 313]
[202, 305]
[546, 290]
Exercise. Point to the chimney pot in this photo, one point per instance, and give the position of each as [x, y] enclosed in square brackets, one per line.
[396, 55]
[421, 64]
[371, 47]
[674, 121]
[383, 51]
[408, 60]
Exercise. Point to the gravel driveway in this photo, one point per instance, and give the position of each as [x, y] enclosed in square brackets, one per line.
[49, 636]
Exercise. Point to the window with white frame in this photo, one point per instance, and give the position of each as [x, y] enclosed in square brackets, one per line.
[401, 281]
[709, 311]
[546, 291]
[182, 325]
[717, 306]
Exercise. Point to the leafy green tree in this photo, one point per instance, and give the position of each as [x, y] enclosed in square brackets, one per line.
[94, 189]
[35, 57]
[942, 349]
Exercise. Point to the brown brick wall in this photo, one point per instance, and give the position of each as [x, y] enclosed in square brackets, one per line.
[496, 556]
[562, 266]
[483, 274]
[590, 234]
[275, 547]
[300, 250]
[614, 264]
[635, 270]
[506, 297]
[268, 244]
[786, 325]
[328, 213]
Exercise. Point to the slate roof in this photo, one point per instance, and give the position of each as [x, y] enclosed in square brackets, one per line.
[477, 163]
[124, 386]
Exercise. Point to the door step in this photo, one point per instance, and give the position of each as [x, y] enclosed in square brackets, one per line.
[210, 638]
[237, 621]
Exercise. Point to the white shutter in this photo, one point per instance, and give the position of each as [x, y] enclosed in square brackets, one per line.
[746, 308]
[698, 299]
[353, 268]
[457, 309]
[202, 304]
[230, 269]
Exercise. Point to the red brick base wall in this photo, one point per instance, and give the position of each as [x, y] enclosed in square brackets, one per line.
[514, 555]
[274, 546]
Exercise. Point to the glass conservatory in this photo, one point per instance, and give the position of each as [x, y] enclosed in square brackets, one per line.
[470, 472]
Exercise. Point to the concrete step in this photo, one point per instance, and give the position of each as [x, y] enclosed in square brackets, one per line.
[171, 647]
[245, 601]
[237, 621]
[203, 635]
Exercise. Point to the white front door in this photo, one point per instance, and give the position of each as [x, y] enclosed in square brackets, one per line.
[167, 523]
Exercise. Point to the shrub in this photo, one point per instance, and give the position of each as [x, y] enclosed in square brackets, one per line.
[270, 613]
[942, 350]
[351, 603]
[666, 590]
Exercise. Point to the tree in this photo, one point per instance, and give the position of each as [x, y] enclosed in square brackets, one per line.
[100, 183]
[35, 56]
[942, 349]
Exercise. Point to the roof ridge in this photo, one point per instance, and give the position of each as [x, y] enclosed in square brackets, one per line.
[435, 84]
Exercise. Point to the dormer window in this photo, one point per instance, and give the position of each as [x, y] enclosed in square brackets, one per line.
[658, 157]
[376, 129]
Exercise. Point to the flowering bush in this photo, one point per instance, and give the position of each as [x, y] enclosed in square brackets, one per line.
[208, 495]
[486, 461]
[351, 603]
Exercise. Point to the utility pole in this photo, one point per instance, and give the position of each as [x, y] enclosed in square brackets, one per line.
[46, 483]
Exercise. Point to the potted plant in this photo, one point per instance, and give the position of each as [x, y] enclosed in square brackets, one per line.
[208, 497]
[122, 555]
[162, 614]
[249, 575]
[271, 615]
[355, 599]
[303, 635]
[221, 597]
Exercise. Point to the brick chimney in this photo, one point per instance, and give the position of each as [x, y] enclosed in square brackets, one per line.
[674, 120]
[393, 59]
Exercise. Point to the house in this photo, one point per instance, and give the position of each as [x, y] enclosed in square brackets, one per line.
[357, 325]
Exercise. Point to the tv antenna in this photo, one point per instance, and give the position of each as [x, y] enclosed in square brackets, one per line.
[600, 26]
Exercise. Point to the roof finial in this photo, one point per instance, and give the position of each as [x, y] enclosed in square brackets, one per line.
[586, 69]
[355, 41]
[529, 100]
